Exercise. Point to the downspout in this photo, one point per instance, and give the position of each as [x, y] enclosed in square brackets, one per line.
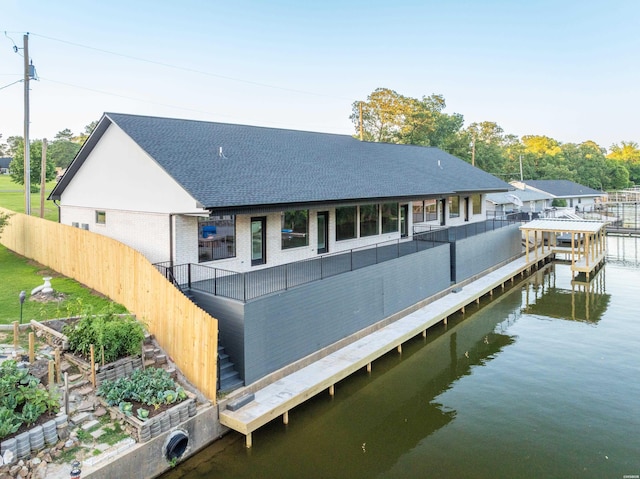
[58, 206]
[171, 238]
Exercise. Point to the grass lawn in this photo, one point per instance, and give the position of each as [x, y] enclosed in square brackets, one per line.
[12, 198]
[22, 274]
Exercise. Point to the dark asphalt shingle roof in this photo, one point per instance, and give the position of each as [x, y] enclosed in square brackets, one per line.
[563, 188]
[4, 161]
[227, 165]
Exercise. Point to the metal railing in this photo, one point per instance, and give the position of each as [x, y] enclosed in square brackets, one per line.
[253, 284]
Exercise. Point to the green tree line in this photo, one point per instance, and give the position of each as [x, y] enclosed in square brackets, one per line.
[388, 116]
[60, 153]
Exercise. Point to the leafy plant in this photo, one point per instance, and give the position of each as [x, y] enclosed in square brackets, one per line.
[126, 408]
[142, 413]
[9, 422]
[31, 411]
[22, 398]
[120, 336]
[152, 387]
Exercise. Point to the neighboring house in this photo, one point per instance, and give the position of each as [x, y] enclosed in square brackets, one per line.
[576, 195]
[517, 201]
[4, 165]
[249, 219]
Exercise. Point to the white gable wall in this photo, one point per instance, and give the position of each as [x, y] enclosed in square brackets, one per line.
[137, 197]
[119, 175]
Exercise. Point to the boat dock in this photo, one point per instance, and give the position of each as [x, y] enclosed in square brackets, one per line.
[584, 245]
[246, 412]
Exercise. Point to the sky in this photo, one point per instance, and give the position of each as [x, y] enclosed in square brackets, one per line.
[562, 68]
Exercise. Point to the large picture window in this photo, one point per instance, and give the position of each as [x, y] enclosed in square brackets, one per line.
[369, 222]
[345, 223]
[477, 204]
[295, 229]
[454, 206]
[389, 217]
[216, 238]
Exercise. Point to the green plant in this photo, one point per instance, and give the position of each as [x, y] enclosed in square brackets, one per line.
[142, 413]
[31, 411]
[9, 422]
[152, 387]
[22, 398]
[119, 335]
[126, 408]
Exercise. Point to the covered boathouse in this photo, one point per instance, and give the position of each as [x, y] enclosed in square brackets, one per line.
[582, 242]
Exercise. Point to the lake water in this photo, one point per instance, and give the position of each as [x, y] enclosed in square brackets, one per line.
[541, 382]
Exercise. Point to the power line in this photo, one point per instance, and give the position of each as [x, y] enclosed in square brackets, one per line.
[103, 92]
[191, 70]
[6, 86]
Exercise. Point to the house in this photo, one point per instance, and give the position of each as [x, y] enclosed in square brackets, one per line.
[4, 164]
[576, 195]
[517, 201]
[293, 240]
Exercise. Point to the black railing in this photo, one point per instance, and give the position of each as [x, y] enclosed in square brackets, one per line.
[253, 284]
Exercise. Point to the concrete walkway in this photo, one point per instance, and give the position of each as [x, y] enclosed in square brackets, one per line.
[279, 397]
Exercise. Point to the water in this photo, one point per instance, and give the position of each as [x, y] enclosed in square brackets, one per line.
[541, 382]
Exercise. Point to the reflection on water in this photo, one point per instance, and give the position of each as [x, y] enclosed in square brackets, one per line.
[580, 301]
[510, 390]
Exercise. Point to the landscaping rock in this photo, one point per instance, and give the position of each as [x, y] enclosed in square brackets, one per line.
[8, 457]
[40, 471]
[100, 412]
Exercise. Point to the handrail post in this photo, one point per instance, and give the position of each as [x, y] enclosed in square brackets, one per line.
[189, 274]
[215, 281]
[244, 287]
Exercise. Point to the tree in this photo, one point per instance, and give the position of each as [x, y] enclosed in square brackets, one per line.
[63, 149]
[35, 154]
[627, 154]
[390, 117]
[383, 115]
[82, 137]
[4, 149]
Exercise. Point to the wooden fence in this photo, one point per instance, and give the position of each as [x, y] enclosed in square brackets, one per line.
[186, 332]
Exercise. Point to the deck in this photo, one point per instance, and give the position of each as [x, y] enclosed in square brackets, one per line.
[279, 397]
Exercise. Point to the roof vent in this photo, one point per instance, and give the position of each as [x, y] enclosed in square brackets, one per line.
[220, 154]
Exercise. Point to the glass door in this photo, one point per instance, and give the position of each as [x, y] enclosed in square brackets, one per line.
[258, 241]
[323, 232]
[404, 223]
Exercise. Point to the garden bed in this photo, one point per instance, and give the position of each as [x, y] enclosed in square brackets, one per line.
[160, 420]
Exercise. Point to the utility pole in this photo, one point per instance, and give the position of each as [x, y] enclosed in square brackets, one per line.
[361, 133]
[473, 151]
[43, 175]
[520, 168]
[27, 157]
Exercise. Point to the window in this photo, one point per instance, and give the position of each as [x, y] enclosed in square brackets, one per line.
[477, 204]
[294, 229]
[101, 217]
[418, 211]
[454, 206]
[389, 217]
[345, 223]
[430, 210]
[369, 221]
[216, 237]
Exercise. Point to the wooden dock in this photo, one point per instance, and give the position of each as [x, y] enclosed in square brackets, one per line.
[278, 398]
[586, 244]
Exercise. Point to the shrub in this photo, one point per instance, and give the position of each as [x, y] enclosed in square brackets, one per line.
[120, 336]
[559, 203]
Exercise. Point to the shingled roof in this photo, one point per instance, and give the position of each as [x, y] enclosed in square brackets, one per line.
[226, 165]
[563, 188]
